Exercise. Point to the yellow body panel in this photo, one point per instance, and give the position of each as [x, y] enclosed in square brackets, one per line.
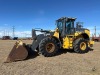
[56, 34]
[77, 33]
[68, 40]
[91, 43]
[87, 32]
[67, 43]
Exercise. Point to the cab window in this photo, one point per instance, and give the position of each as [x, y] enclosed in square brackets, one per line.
[60, 26]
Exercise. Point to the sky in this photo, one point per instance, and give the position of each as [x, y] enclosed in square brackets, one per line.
[25, 15]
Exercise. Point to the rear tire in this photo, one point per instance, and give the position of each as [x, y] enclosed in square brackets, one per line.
[81, 46]
[48, 47]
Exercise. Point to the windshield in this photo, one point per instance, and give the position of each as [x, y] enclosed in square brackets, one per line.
[69, 24]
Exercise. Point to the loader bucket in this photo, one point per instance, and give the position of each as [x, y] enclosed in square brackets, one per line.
[18, 52]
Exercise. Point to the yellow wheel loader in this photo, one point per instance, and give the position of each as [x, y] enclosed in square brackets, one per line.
[65, 36]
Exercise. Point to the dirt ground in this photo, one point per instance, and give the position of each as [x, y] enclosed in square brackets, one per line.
[66, 63]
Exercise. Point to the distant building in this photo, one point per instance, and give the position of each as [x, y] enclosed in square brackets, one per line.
[96, 39]
[6, 38]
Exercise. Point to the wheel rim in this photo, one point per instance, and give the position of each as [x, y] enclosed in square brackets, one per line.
[83, 46]
[50, 47]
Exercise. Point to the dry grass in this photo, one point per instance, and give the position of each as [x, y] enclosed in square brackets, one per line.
[64, 64]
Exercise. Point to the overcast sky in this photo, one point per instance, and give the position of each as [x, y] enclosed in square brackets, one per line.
[28, 14]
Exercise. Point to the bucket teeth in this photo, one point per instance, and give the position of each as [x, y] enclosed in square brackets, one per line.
[18, 52]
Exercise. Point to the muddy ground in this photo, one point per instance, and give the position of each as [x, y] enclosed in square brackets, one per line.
[65, 63]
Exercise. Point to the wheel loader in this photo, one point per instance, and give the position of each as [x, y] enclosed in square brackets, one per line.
[48, 43]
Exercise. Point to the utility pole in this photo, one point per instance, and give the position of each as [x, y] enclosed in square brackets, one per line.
[4, 33]
[95, 31]
[8, 33]
[13, 31]
[99, 35]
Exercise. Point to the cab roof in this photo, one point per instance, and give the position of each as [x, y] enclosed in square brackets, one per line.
[66, 19]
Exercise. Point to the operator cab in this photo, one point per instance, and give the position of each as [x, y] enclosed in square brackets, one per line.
[66, 26]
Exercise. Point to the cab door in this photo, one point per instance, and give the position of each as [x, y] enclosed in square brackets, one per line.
[69, 28]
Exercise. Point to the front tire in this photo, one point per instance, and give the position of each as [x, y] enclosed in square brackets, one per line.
[81, 46]
[48, 47]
